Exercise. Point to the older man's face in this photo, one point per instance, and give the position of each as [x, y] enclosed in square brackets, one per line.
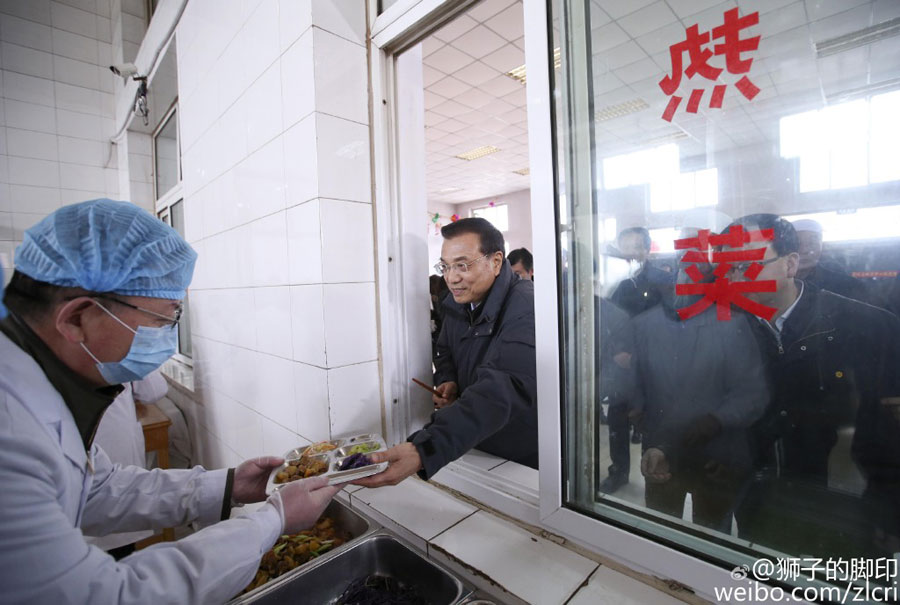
[782, 269]
[810, 249]
[473, 284]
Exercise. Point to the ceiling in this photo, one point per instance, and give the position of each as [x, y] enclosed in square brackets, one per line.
[470, 102]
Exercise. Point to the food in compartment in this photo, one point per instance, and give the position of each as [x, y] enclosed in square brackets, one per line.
[377, 590]
[363, 448]
[319, 448]
[354, 461]
[301, 468]
[292, 551]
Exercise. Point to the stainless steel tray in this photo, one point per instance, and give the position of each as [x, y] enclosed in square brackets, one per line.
[341, 448]
[378, 553]
[358, 527]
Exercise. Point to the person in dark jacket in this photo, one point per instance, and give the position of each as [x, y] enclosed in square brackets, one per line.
[646, 288]
[700, 386]
[822, 275]
[485, 363]
[832, 367]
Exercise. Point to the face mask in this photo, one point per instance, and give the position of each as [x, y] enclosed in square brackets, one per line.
[150, 348]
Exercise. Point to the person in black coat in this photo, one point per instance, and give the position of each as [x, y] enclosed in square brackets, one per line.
[832, 367]
[822, 275]
[485, 362]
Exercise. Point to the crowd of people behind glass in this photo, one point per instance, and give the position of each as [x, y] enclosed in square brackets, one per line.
[784, 430]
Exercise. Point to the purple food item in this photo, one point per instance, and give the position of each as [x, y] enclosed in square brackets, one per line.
[355, 461]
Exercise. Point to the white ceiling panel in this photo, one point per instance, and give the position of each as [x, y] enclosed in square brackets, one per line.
[450, 109]
[505, 58]
[659, 40]
[639, 70]
[618, 9]
[500, 86]
[455, 28]
[480, 42]
[474, 98]
[485, 10]
[449, 87]
[648, 19]
[606, 37]
[820, 9]
[476, 74]
[510, 23]
[448, 59]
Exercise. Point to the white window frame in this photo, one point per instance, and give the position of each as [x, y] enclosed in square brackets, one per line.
[392, 31]
[472, 212]
[163, 205]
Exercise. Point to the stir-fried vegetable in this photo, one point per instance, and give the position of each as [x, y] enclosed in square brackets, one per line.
[363, 448]
[291, 551]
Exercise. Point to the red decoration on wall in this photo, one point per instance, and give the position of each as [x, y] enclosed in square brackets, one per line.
[724, 292]
[694, 44]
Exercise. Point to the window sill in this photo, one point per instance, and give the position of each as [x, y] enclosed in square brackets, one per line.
[180, 375]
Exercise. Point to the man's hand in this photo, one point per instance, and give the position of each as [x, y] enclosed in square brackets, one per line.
[654, 466]
[449, 392]
[701, 431]
[404, 461]
[301, 503]
[250, 479]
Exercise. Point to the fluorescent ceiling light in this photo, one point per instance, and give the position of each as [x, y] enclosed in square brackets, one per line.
[666, 138]
[523, 171]
[867, 35]
[478, 152]
[862, 91]
[450, 190]
[611, 112]
[518, 74]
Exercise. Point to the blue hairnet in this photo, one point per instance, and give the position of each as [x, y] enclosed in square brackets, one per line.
[107, 246]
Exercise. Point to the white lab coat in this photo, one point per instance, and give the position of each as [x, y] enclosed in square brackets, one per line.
[50, 488]
[120, 435]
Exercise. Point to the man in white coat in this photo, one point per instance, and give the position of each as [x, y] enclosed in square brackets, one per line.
[93, 303]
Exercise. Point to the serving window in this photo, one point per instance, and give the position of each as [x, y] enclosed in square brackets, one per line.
[728, 246]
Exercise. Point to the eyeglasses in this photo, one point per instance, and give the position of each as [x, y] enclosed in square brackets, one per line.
[742, 267]
[173, 320]
[444, 268]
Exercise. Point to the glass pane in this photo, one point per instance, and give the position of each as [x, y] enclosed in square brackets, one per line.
[730, 255]
[497, 215]
[184, 327]
[166, 157]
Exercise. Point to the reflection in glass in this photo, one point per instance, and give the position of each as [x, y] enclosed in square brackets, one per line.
[166, 159]
[743, 433]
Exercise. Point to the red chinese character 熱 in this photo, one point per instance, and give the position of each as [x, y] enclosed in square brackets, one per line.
[731, 47]
[723, 291]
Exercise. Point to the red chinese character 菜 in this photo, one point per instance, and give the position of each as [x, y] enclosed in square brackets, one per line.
[723, 291]
[731, 47]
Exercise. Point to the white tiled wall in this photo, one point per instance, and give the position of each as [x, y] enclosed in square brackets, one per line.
[275, 144]
[56, 111]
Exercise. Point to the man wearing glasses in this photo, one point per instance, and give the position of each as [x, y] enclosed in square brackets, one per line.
[94, 303]
[832, 364]
[485, 362]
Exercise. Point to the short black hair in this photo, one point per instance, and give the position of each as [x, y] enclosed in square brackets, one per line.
[34, 299]
[786, 240]
[491, 240]
[642, 231]
[521, 255]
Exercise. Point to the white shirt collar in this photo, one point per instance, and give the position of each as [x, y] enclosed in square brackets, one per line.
[779, 323]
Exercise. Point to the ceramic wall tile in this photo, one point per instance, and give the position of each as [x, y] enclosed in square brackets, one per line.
[294, 19]
[28, 116]
[311, 402]
[350, 323]
[308, 326]
[29, 144]
[38, 173]
[263, 100]
[28, 89]
[610, 587]
[26, 32]
[273, 392]
[24, 60]
[355, 399]
[345, 18]
[341, 77]
[301, 164]
[298, 80]
[272, 314]
[343, 159]
[348, 242]
[268, 246]
[304, 244]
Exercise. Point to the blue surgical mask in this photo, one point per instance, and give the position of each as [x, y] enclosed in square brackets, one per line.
[150, 348]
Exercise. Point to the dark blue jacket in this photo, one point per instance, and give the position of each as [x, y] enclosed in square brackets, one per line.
[490, 354]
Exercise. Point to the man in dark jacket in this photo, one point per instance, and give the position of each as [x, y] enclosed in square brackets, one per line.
[485, 363]
[812, 271]
[646, 288]
[832, 367]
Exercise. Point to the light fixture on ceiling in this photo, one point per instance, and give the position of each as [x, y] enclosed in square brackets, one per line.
[523, 171]
[611, 112]
[449, 190]
[478, 152]
[862, 91]
[666, 138]
[518, 74]
[867, 35]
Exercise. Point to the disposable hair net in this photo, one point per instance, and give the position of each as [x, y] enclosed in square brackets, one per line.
[107, 246]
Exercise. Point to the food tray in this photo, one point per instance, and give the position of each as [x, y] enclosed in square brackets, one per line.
[341, 448]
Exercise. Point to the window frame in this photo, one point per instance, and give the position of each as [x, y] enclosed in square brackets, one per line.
[472, 212]
[163, 204]
[391, 33]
